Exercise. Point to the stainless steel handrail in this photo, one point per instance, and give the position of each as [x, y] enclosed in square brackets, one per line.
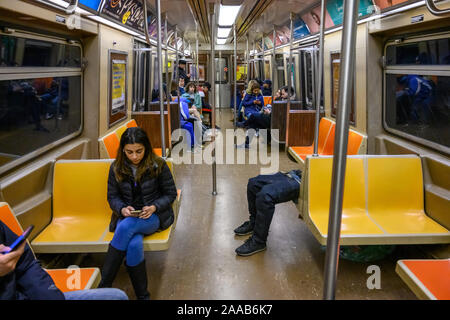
[435, 10]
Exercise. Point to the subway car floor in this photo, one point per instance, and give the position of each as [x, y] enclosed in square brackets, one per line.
[201, 262]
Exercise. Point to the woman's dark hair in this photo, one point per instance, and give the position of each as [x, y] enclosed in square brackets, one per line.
[207, 85]
[190, 84]
[150, 161]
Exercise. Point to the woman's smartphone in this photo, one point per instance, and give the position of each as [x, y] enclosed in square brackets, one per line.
[19, 240]
[136, 212]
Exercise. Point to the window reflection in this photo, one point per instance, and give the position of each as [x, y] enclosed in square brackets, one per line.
[419, 105]
[430, 52]
[22, 52]
[37, 112]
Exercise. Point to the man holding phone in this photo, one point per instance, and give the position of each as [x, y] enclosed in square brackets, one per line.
[22, 277]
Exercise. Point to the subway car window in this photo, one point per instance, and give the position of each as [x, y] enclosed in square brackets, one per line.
[23, 52]
[427, 52]
[39, 107]
[37, 112]
[417, 97]
[419, 105]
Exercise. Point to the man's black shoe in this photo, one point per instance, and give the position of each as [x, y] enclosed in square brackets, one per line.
[245, 229]
[250, 247]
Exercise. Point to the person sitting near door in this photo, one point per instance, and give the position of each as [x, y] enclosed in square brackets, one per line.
[22, 277]
[252, 102]
[206, 107]
[285, 95]
[141, 191]
[263, 193]
[192, 124]
[193, 95]
[266, 89]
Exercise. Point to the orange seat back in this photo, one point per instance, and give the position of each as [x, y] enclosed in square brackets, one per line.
[324, 130]
[9, 219]
[111, 142]
[433, 274]
[267, 100]
[328, 148]
[354, 142]
[132, 123]
[61, 278]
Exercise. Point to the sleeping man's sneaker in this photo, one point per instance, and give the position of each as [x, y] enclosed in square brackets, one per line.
[250, 247]
[245, 229]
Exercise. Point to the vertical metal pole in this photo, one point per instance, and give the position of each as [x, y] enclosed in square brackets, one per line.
[196, 53]
[274, 65]
[161, 100]
[263, 62]
[220, 79]
[346, 78]
[289, 82]
[167, 71]
[254, 59]
[235, 74]
[213, 109]
[176, 63]
[247, 78]
[320, 76]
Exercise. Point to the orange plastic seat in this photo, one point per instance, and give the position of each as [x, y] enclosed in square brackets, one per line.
[72, 279]
[267, 100]
[328, 148]
[132, 123]
[158, 151]
[64, 279]
[8, 218]
[428, 279]
[111, 143]
[120, 131]
[324, 130]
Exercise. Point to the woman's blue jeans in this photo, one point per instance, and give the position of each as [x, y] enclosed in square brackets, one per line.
[129, 236]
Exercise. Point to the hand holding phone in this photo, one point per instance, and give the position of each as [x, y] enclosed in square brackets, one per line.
[19, 240]
[136, 213]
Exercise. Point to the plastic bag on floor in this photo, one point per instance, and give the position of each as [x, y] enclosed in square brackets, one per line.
[365, 253]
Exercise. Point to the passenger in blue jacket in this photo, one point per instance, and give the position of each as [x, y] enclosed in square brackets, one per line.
[253, 100]
[141, 191]
[191, 124]
[22, 277]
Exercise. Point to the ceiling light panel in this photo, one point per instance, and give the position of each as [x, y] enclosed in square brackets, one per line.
[227, 15]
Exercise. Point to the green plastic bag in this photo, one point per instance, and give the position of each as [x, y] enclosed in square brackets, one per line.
[365, 253]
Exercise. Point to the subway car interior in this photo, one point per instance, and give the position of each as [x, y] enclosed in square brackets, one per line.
[299, 148]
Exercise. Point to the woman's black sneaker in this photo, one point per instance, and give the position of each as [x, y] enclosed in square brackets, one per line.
[245, 229]
[250, 247]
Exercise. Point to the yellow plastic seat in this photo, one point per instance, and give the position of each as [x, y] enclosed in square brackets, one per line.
[81, 213]
[395, 196]
[88, 278]
[355, 221]
[383, 201]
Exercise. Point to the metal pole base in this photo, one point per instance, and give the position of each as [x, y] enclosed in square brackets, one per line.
[214, 193]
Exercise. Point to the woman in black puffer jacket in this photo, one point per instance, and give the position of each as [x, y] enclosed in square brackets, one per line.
[141, 191]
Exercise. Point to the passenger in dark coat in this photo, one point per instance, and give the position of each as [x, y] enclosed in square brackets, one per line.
[138, 180]
[266, 89]
[22, 277]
